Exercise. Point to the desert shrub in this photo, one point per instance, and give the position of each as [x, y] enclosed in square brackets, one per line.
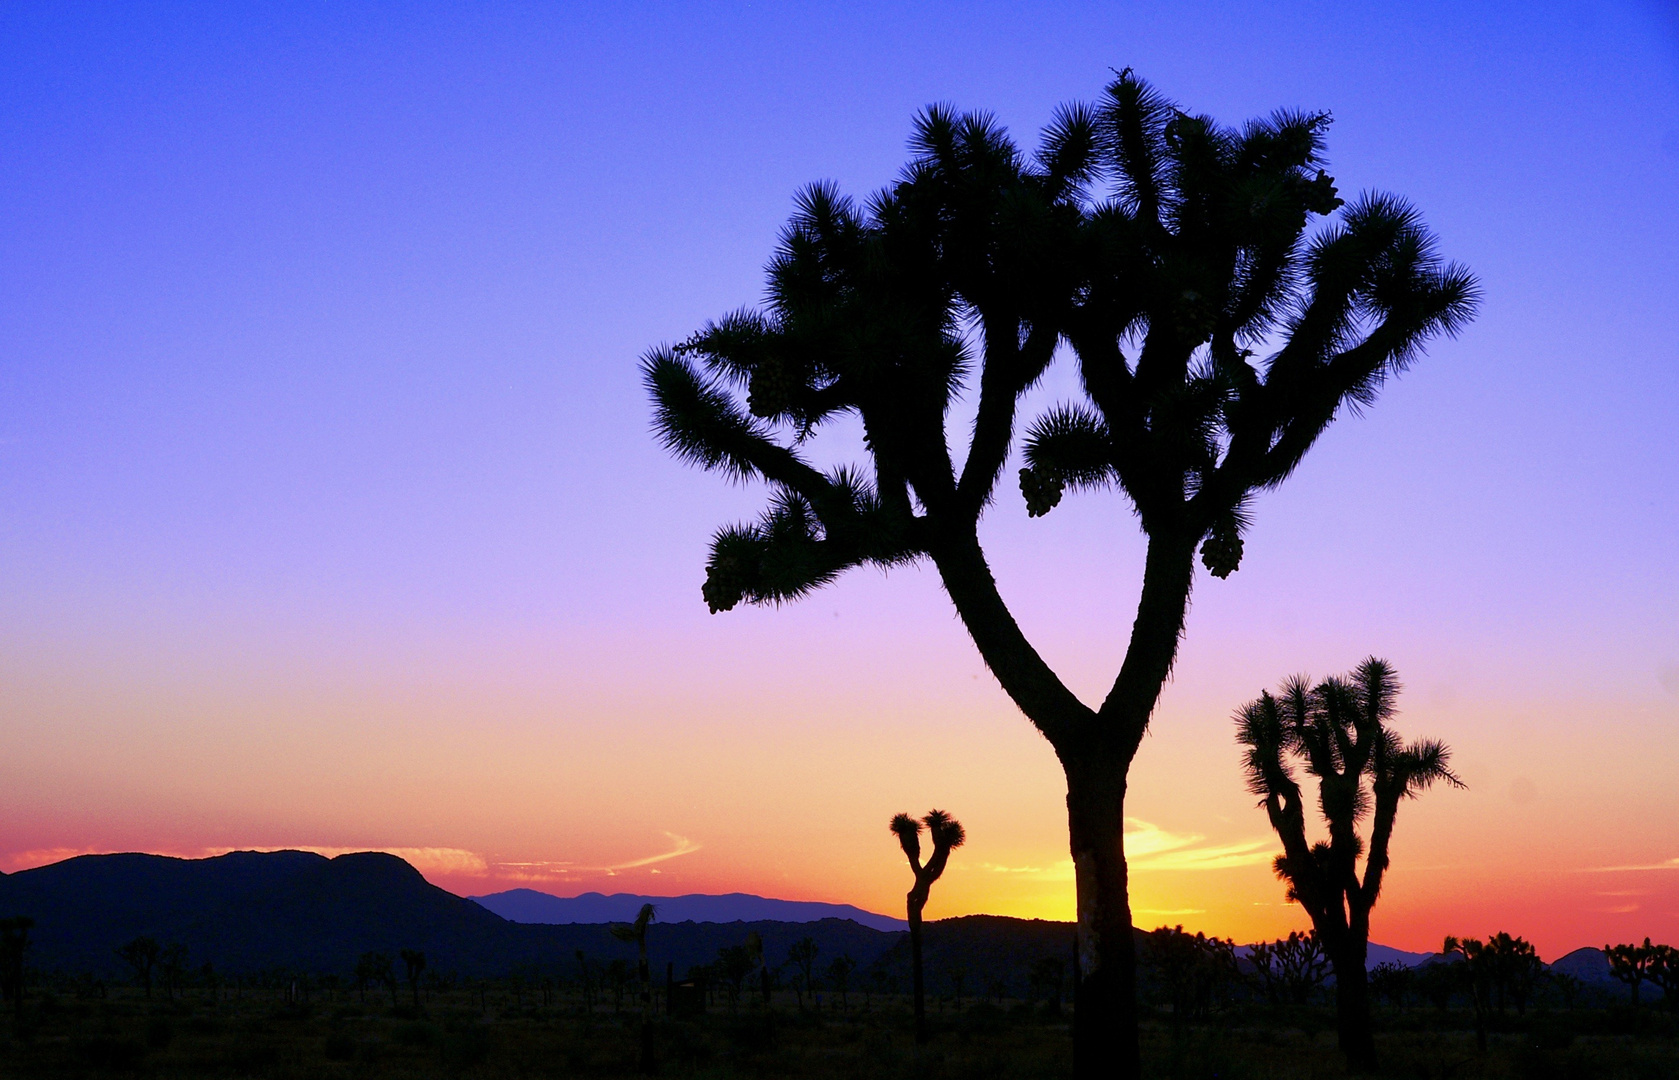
[466, 1046]
[340, 1047]
[159, 1032]
[104, 1052]
[416, 1033]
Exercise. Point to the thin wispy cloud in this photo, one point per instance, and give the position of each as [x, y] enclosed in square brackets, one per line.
[1670, 864]
[1149, 847]
[561, 869]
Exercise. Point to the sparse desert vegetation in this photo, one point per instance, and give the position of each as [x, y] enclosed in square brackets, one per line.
[285, 1027]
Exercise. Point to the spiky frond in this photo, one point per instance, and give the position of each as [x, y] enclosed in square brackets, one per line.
[945, 830]
[908, 832]
[1423, 764]
[697, 420]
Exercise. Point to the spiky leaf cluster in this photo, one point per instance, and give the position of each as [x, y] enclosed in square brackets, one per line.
[946, 833]
[1201, 258]
[871, 313]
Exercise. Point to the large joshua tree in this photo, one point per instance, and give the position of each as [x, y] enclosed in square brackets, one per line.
[1170, 253]
[947, 834]
[1339, 732]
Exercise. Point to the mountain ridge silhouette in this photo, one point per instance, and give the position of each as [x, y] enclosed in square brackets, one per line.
[247, 912]
[534, 906]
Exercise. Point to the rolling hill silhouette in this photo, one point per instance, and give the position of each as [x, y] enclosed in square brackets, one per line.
[251, 911]
[248, 911]
[531, 906]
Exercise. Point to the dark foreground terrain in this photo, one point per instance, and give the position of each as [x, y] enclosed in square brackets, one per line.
[508, 1030]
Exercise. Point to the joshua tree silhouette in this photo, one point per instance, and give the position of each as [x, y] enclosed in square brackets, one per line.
[14, 944]
[946, 834]
[1339, 731]
[1499, 970]
[1663, 970]
[413, 963]
[141, 956]
[839, 977]
[802, 955]
[1630, 964]
[1135, 227]
[1290, 967]
[637, 932]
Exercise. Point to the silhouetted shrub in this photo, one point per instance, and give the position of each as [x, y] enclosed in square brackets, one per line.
[416, 1033]
[109, 1053]
[340, 1047]
[159, 1032]
[466, 1046]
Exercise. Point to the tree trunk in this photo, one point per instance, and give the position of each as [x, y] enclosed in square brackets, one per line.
[1352, 1008]
[646, 1002]
[915, 971]
[1105, 995]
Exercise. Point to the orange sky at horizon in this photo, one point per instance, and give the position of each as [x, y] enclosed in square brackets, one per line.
[566, 786]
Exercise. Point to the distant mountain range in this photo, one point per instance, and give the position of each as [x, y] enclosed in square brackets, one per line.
[531, 906]
[252, 911]
[249, 911]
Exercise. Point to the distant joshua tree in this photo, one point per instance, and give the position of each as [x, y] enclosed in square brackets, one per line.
[839, 977]
[141, 956]
[413, 963]
[947, 835]
[1663, 970]
[1046, 978]
[1339, 732]
[1290, 968]
[1501, 970]
[734, 963]
[174, 962]
[1392, 981]
[958, 977]
[802, 955]
[637, 932]
[375, 968]
[14, 943]
[1630, 964]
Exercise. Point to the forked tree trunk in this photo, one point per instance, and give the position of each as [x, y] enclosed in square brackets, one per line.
[1095, 751]
[1105, 998]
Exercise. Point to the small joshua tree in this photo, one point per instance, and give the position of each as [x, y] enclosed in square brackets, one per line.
[1663, 970]
[14, 943]
[946, 833]
[1339, 732]
[802, 955]
[141, 956]
[1630, 964]
[414, 962]
[1500, 970]
[839, 977]
[1393, 982]
[1290, 968]
[637, 932]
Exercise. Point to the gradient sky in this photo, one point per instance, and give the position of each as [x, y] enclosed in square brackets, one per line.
[330, 517]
